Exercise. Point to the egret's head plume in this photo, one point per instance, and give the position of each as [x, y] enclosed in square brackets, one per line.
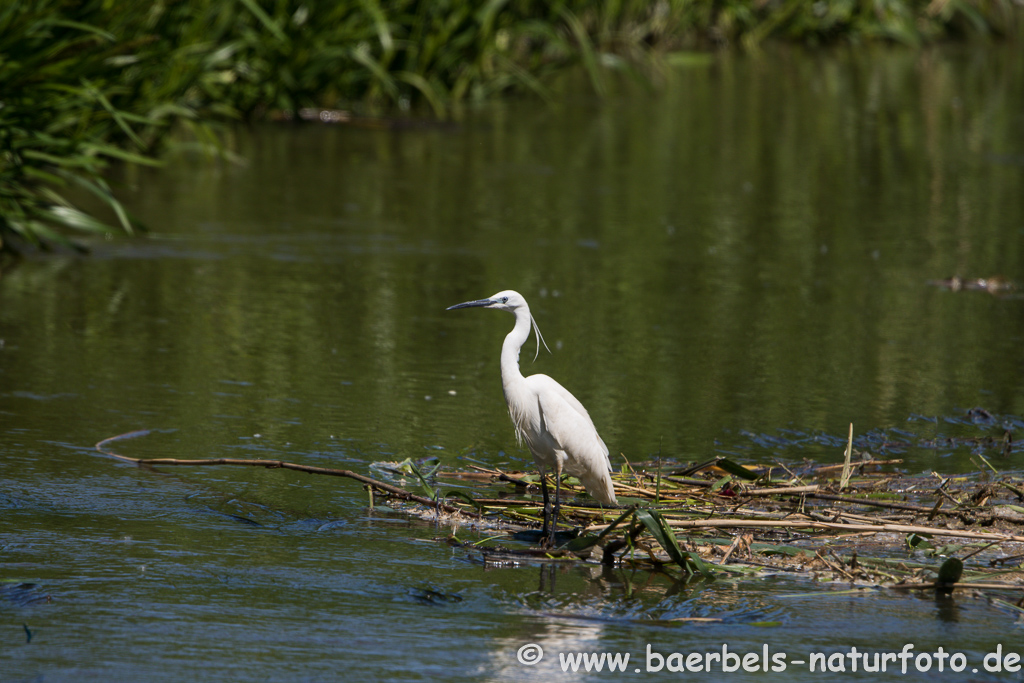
[511, 301]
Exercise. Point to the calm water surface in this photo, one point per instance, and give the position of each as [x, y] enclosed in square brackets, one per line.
[738, 264]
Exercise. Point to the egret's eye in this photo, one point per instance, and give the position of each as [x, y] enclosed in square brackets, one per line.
[504, 299]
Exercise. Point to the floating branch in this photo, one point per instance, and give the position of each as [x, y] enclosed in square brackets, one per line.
[650, 531]
[396, 491]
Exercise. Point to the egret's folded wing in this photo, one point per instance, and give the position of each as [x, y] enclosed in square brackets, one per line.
[574, 433]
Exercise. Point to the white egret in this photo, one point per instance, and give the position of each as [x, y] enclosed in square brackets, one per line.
[554, 425]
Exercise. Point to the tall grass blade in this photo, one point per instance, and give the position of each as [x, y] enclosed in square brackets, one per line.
[586, 48]
[265, 19]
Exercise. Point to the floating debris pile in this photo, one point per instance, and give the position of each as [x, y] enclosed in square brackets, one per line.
[862, 522]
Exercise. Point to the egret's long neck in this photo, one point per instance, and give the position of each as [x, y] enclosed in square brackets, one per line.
[514, 341]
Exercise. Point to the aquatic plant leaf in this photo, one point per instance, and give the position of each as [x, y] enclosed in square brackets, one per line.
[462, 495]
[434, 463]
[424, 484]
[768, 549]
[736, 469]
[581, 543]
[948, 549]
[589, 540]
[919, 541]
[666, 538]
[718, 485]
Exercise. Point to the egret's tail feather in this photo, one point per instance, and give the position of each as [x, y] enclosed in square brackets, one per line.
[599, 485]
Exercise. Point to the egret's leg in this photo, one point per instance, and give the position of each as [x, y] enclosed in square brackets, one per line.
[554, 514]
[547, 503]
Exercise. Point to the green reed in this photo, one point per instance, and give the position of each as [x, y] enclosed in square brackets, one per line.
[86, 83]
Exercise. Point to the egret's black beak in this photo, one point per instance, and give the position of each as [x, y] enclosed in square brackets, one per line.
[472, 304]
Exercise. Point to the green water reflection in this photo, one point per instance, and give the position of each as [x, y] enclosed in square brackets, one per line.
[746, 252]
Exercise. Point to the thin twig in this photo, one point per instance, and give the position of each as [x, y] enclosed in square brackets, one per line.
[923, 509]
[856, 465]
[984, 547]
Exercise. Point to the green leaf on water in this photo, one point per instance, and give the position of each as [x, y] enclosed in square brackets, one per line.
[769, 549]
[462, 495]
[409, 467]
[736, 469]
[589, 540]
[919, 541]
[666, 538]
[721, 483]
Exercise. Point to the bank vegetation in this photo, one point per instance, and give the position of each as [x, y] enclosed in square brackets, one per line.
[88, 83]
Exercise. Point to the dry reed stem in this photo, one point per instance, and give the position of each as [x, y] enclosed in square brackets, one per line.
[814, 524]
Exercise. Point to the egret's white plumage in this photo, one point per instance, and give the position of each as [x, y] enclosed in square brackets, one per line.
[552, 423]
